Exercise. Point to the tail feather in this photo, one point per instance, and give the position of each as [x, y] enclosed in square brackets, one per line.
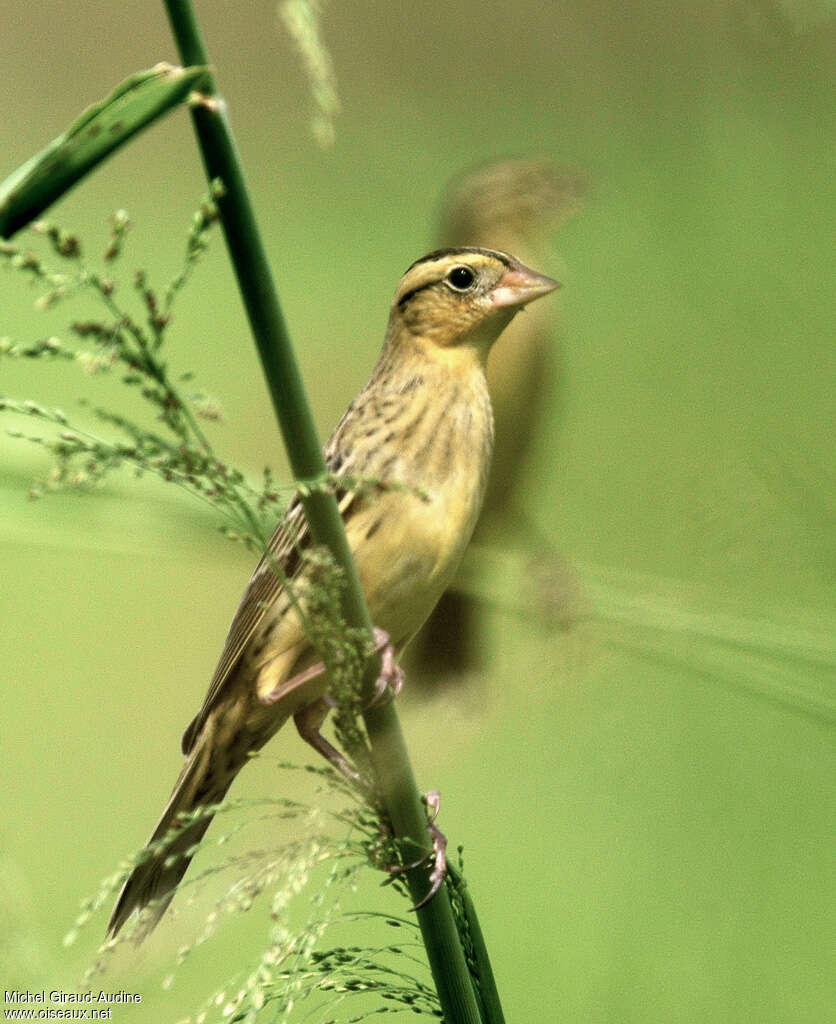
[153, 881]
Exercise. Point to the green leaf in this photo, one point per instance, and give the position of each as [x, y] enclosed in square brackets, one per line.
[100, 130]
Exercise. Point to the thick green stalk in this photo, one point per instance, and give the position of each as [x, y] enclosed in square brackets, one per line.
[395, 778]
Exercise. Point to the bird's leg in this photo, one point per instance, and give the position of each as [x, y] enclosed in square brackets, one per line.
[289, 685]
[390, 681]
[387, 686]
[438, 853]
[310, 717]
[308, 721]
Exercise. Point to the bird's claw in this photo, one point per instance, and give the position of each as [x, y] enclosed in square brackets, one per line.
[390, 681]
[438, 852]
[439, 871]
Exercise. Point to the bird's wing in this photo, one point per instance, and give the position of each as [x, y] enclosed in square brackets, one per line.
[281, 561]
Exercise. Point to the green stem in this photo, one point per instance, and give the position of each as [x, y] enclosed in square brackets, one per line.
[488, 992]
[391, 760]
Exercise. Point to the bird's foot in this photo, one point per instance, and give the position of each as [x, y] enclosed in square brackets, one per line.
[390, 681]
[437, 856]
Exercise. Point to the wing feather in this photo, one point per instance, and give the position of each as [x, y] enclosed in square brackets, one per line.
[282, 560]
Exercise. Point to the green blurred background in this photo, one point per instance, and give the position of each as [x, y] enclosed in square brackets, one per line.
[646, 799]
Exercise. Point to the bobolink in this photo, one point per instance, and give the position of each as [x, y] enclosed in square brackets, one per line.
[423, 422]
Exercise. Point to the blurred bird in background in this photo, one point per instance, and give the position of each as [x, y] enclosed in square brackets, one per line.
[515, 206]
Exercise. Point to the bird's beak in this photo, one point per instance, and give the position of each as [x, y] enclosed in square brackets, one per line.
[519, 285]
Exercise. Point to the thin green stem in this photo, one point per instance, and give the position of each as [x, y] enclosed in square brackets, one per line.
[391, 761]
[491, 1005]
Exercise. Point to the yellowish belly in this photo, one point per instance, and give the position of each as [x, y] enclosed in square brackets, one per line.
[407, 551]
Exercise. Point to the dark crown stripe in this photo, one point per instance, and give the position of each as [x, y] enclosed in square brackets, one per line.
[460, 250]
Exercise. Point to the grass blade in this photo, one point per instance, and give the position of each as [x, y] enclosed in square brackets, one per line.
[96, 133]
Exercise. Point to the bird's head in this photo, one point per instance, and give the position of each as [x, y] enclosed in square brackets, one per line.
[457, 297]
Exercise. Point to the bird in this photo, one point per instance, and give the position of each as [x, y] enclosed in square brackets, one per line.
[512, 204]
[422, 428]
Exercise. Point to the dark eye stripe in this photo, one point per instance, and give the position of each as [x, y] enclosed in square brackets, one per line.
[440, 254]
[421, 288]
[404, 299]
[402, 302]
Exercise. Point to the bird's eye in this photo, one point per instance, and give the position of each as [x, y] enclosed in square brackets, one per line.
[461, 278]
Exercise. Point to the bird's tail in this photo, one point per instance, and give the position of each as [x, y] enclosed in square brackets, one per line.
[167, 855]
